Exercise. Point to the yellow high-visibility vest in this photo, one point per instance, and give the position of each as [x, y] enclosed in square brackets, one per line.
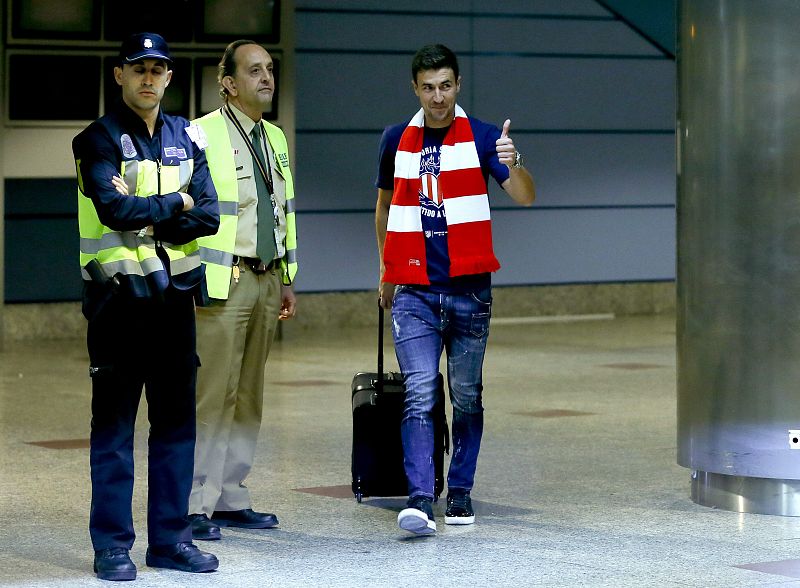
[216, 251]
[129, 252]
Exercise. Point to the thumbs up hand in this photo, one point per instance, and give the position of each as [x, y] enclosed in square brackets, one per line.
[506, 152]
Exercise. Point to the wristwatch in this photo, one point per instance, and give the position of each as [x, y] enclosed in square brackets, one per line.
[518, 160]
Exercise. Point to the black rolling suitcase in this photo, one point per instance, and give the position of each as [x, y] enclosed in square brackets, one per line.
[377, 447]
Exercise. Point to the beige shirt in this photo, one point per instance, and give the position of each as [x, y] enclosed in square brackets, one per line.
[246, 233]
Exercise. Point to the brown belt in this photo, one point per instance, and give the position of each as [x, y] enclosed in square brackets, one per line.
[255, 264]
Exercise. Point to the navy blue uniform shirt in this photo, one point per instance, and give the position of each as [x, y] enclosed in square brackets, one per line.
[101, 148]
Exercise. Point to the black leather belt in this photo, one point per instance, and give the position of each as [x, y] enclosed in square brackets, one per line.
[255, 264]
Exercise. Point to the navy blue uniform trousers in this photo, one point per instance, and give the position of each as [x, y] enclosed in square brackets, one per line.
[135, 344]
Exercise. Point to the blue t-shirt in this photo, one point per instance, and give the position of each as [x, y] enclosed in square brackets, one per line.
[434, 223]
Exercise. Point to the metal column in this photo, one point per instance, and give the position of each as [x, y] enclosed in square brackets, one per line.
[739, 252]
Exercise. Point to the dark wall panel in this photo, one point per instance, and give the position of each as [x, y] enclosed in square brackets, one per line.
[41, 260]
[41, 240]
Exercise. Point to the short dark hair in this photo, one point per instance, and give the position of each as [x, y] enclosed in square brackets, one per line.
[433, 57]
[227, 65]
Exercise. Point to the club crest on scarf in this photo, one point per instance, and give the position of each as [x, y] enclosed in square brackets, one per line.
[429, 179]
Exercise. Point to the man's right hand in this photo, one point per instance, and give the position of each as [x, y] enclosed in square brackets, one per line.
[120, 185]
[386, 295]
[188, 202]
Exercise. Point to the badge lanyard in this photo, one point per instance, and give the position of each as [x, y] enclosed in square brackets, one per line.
[266, 174]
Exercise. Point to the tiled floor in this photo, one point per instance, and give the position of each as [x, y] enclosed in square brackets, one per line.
[577, 481]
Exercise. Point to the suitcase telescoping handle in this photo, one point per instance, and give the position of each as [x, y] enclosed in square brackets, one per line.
[379, 383]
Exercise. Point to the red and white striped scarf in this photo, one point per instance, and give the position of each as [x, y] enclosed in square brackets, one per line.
[466, 205]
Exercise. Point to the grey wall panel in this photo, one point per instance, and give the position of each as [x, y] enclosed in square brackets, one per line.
[387, 32]
[339, 251]
[576, 93]
[541, 7]
[337, 171]
[356, 91]
[596, 169]
[584, 245]
[365, 91]
[382, 32]
[523, 35]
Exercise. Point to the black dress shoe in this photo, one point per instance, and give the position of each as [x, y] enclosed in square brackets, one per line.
[181, 556]
[246, 519]
[114, 563]
[203, 529]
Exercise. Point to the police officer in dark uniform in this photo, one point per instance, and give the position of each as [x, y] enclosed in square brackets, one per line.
[145, 195]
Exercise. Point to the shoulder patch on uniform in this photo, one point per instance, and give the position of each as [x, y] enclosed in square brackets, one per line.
[197, 134]
[128, 150]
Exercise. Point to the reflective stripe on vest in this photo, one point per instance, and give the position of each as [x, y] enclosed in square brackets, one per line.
[216, 250]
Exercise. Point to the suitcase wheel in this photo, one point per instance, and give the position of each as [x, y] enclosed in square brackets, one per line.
[358, 497]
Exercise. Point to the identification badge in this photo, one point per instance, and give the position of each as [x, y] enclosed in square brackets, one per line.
[197, 135]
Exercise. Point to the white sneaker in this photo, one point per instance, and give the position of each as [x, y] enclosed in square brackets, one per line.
[417, 517]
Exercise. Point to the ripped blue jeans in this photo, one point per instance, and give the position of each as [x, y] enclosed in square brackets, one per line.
[423, 324]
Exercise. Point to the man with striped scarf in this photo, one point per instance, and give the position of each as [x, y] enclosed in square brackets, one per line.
[434, 234]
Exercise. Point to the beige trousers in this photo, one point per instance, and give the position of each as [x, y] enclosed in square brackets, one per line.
[233, 341]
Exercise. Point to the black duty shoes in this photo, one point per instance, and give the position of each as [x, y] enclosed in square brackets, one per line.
[417, 517]
[245, 519]
[114, 563]
[181, 556]
[203, 529]
[459, 508]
